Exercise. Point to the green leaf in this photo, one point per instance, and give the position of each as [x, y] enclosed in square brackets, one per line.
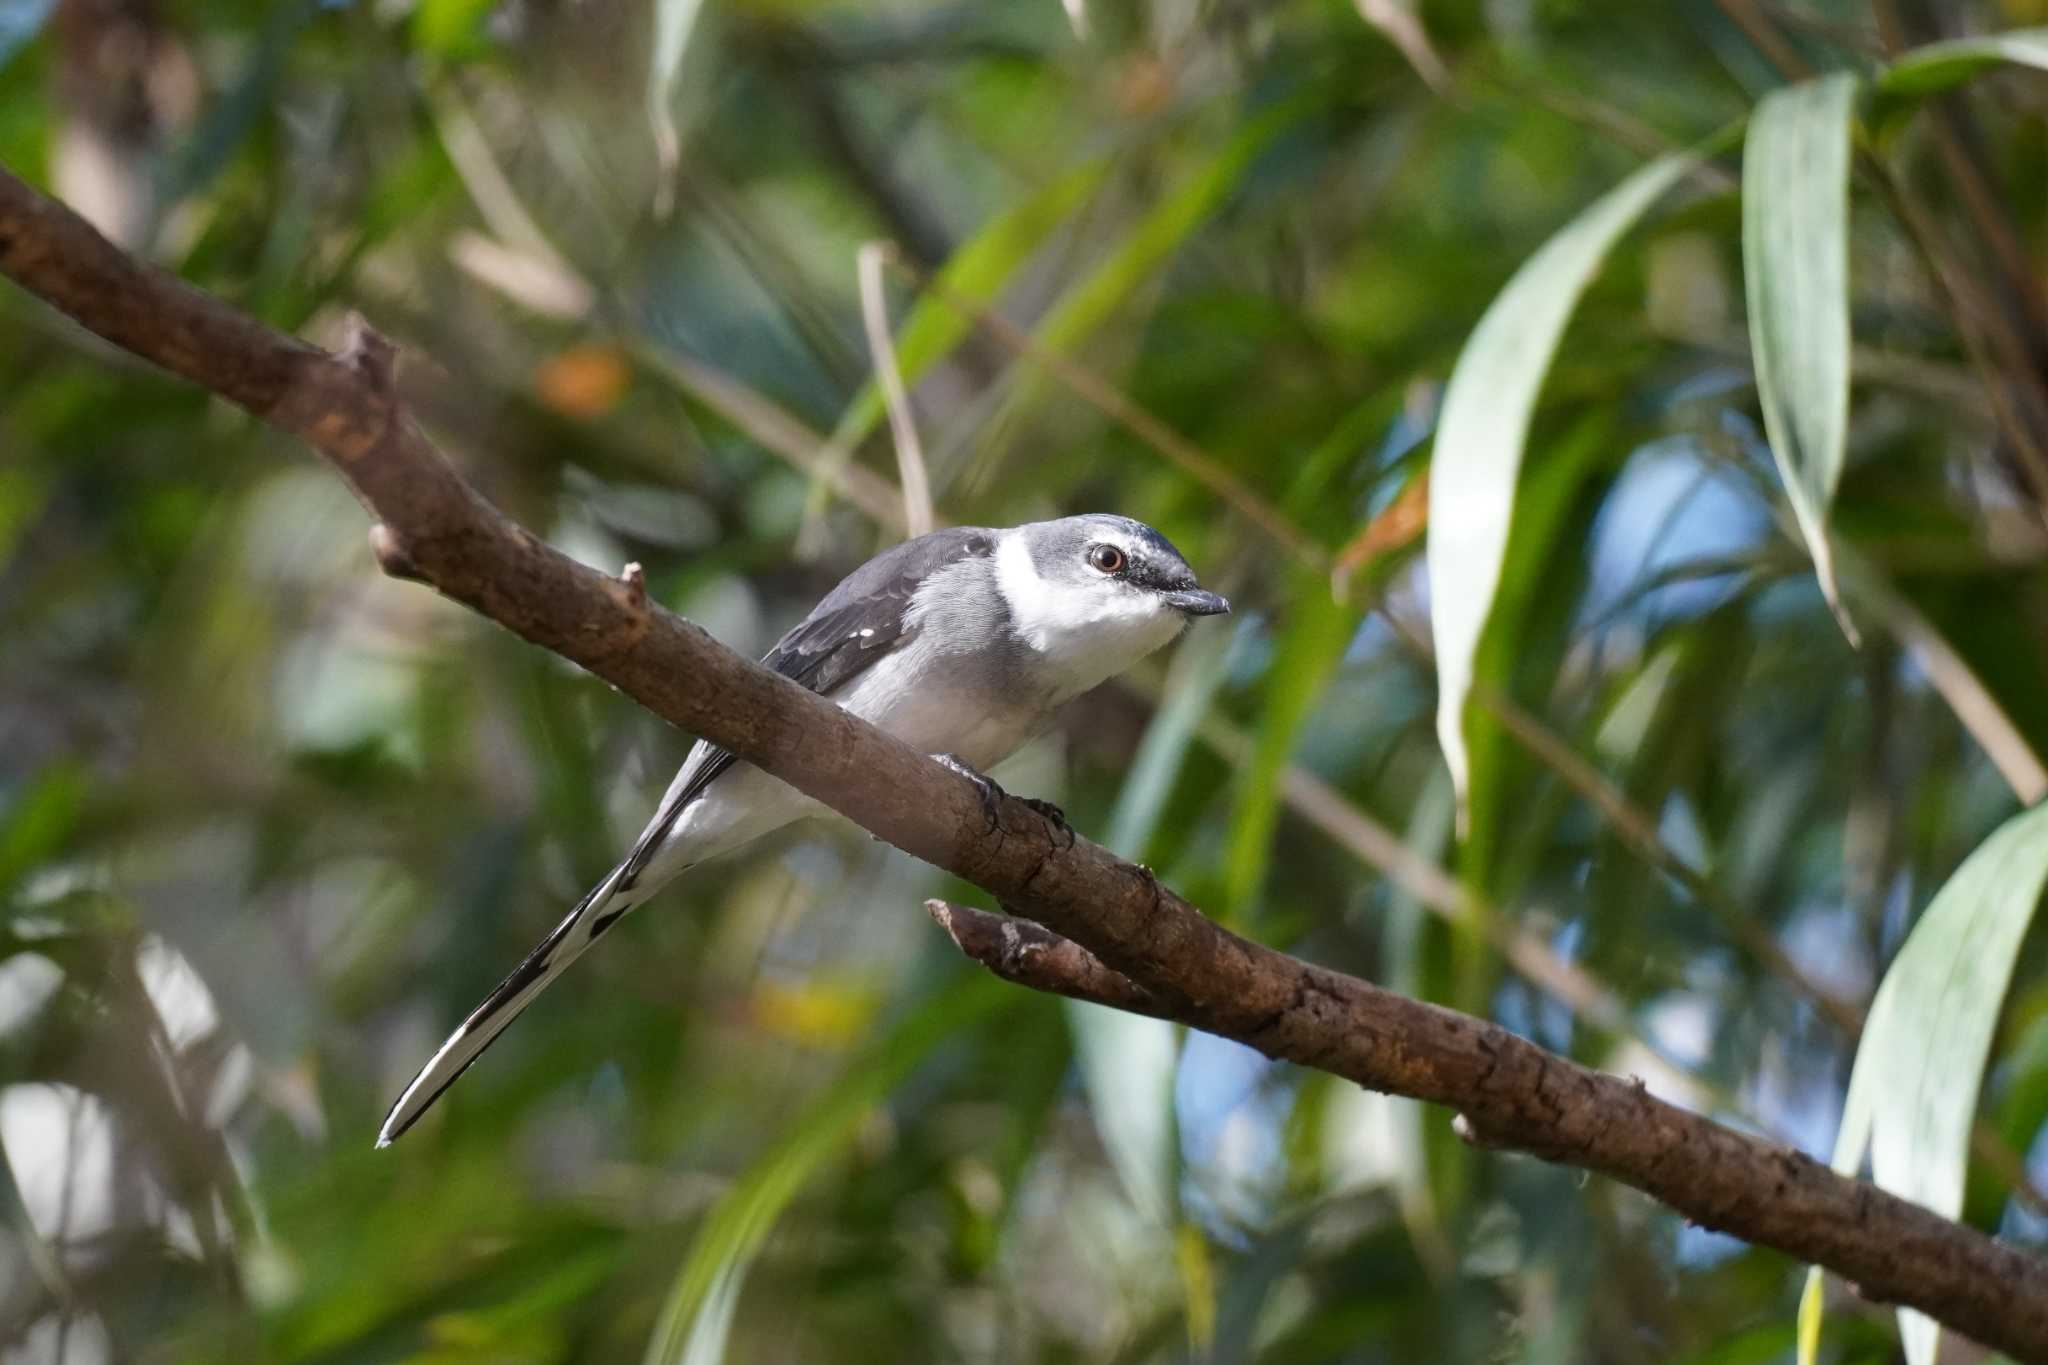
[1939, 66]
[1306, 657]
[1198, 670]
[698, 1313]
[1145, 251]
[451, 28]
[1523, 634]
[1812, 1308]
[976, 273]
[35, 826]
[1913, 1091]
[1127, 1061]
[1484, 425]
[1095, 299]
[1795, 257]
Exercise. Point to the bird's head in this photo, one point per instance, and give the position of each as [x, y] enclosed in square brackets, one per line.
[1104, 590]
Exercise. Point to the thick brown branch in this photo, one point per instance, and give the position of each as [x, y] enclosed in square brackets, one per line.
[1512, 1093]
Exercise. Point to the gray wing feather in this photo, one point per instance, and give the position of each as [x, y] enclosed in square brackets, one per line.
[858, 622]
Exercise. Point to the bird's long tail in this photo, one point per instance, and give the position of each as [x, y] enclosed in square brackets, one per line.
[594, 914]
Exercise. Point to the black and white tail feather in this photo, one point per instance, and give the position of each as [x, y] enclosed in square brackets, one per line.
[594, 914]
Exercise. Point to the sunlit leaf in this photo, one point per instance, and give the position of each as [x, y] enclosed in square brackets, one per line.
[1812, 1311]
[1198, 1284]
[451, 28]
[1913, 1091]
[1795, 257]
[1482, 430]
[1940, 66]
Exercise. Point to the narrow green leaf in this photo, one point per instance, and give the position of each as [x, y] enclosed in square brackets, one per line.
[1161, 231]
[1485, 422]
[1127, 1061]
[1143, 253]
[1812, 1307]
[1306, 656]
[1795, 259]
[976, 272]
[698, 1314]
[1198, 670]
[1940, 66]
[1913, 1091]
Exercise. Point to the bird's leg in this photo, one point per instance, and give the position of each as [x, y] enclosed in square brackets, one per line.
[991, 794]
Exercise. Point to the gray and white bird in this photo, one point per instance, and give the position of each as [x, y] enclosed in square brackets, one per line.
[962, 642]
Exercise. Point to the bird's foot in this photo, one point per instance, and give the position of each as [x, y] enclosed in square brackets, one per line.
[991, 794]
[1053, 816]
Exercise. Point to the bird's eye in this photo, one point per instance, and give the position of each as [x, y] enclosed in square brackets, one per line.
[1107, 558]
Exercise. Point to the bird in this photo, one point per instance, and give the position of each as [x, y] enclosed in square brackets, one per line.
[962, 642]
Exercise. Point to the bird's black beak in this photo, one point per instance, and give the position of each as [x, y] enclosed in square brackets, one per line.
[1196, 602]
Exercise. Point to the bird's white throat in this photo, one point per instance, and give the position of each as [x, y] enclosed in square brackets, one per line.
[1082, 634]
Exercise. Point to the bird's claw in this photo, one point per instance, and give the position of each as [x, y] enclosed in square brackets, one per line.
[1053, 816]
[991, 794]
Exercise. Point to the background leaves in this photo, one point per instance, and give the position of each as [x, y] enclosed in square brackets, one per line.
[269, 822]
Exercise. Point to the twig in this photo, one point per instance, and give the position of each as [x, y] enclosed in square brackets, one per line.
[1986, 332]
[1030, 955]
[874, 309]
[773, 427]
[1768, 40]
[1509, 1092]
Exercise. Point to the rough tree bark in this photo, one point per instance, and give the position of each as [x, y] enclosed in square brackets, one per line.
[1110, 930]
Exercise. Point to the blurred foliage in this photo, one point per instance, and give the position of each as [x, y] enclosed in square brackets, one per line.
[269, 822]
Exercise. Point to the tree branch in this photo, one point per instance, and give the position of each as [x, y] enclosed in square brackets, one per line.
[1031, 955]
[1511, 1093]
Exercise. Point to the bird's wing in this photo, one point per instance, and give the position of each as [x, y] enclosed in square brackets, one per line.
[856, 624]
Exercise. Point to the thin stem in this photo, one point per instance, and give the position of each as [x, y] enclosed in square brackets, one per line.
[874, 308]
